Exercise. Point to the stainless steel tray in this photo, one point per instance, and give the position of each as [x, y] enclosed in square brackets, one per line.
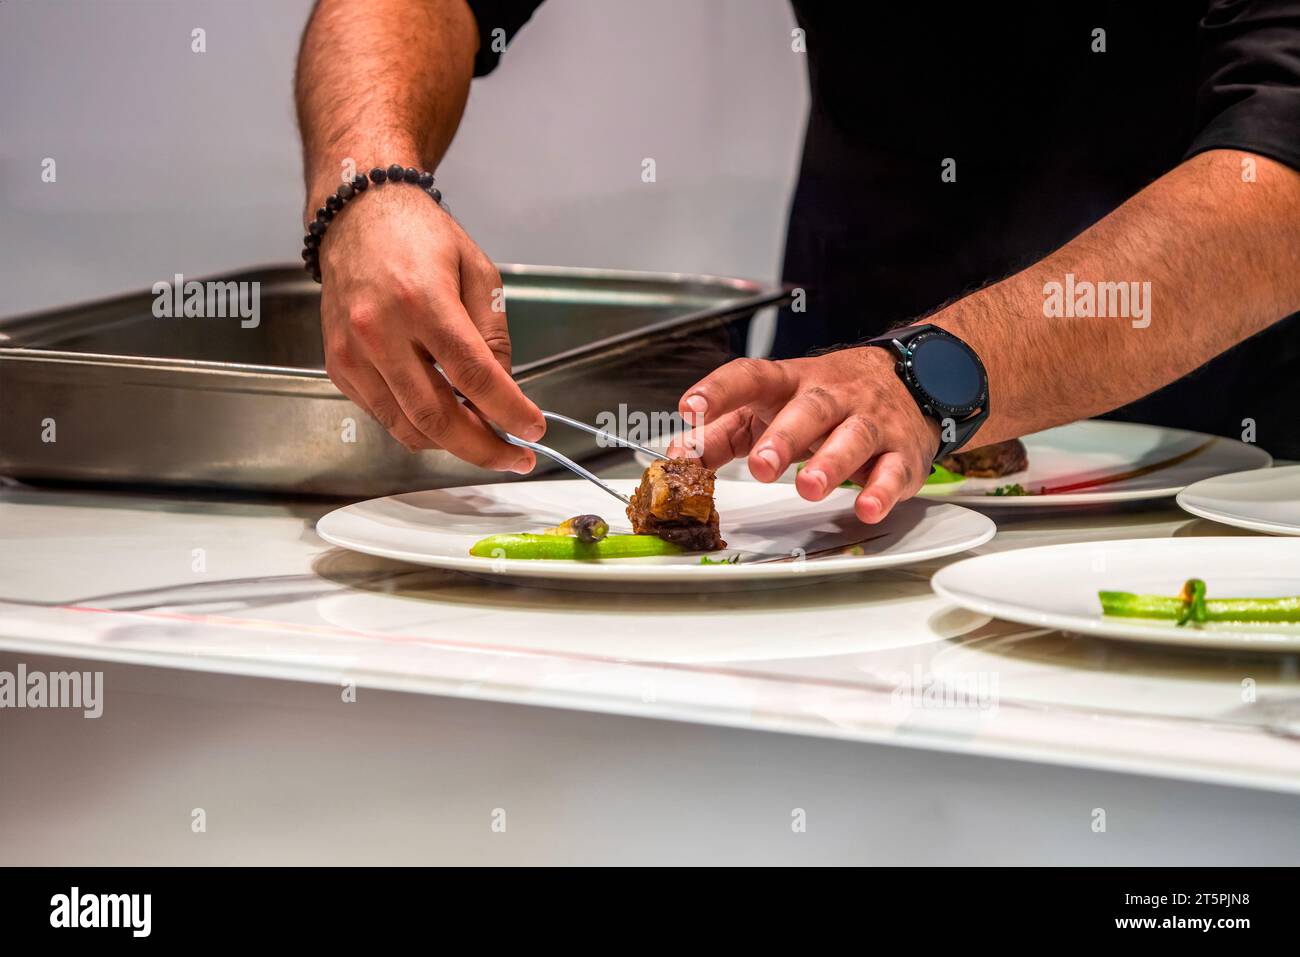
[204, 402]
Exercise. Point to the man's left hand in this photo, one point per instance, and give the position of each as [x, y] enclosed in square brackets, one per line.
[848, 408]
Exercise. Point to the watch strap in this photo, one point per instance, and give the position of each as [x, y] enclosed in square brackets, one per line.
[962, 433]
[896, 342]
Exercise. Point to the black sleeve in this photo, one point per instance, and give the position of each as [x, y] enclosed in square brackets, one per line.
[1249, 96]
[492, 15]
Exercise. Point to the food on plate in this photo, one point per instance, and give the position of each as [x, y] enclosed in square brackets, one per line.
[572, 548]
[671, 511]
[1191, 605]
[675, 502]
[729, 560]
[585, 528]
[989, 461]
[1014, 488]
[1088, 483]
[942, 476]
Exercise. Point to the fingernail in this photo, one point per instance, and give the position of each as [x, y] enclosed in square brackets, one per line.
[871, 505]
[697, 404]
[817, 477]
[522, 467]
[770, 457]
[533, 432]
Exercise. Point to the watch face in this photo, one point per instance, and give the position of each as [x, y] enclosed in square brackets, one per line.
[947, 371]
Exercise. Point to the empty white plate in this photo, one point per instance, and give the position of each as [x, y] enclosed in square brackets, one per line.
[1262, 501]
[777, 534]
[1168, 460]
[1056, 586]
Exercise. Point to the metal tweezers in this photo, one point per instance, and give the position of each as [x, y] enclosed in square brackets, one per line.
[573, 466]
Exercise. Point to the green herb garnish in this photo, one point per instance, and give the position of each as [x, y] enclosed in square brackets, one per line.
[1014, 489]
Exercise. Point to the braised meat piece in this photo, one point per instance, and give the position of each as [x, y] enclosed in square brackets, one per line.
[675, 502]
[989, 461]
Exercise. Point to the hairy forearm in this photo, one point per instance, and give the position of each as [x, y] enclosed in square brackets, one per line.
[1221, 255]
[381, 82]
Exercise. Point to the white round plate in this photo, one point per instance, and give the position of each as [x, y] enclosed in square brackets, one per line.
[776, 534]
[1267, 501]
[1091, 449]
[1055, 586]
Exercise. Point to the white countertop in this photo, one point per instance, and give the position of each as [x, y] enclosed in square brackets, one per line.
[244, 586]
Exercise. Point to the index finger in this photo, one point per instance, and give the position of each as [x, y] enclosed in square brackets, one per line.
[484, 296]
[475, 371]
[761, 383]
[427, 400]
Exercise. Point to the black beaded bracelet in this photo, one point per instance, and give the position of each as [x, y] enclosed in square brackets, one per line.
[348, 192]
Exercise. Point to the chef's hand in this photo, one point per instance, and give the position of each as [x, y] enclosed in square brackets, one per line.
[403, 285]
[848, 407]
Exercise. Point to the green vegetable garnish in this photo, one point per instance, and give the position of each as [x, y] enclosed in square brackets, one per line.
[942, 476]
[730, 560]
[1014, 489]
[1191, 605]
[549, 546]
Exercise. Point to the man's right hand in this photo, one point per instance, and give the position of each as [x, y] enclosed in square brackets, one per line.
[403, 286]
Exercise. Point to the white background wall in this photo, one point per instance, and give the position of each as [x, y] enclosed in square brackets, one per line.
[171, 161]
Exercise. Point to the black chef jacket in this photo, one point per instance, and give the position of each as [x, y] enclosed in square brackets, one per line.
[1043, 133]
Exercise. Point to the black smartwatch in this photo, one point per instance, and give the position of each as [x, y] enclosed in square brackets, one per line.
[945, 377]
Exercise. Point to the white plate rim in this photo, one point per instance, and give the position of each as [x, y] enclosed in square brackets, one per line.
[675, 573]
[1232, 519]
[1101, 627]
